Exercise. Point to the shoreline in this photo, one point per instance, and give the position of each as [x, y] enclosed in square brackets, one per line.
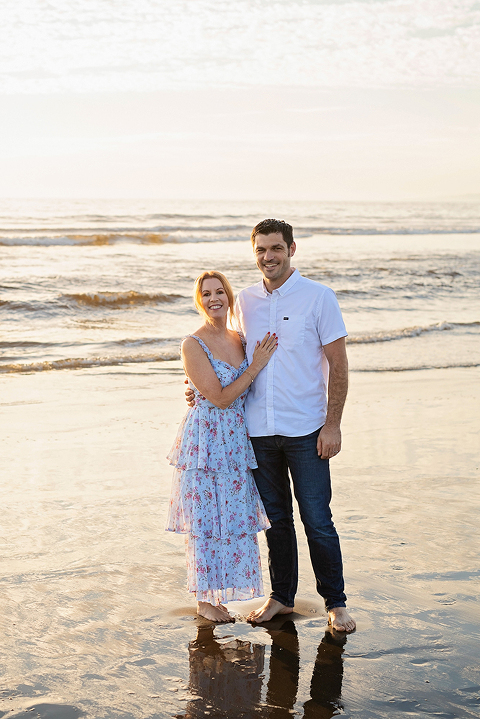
[93, 610]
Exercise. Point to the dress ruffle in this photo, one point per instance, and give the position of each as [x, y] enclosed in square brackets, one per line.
[215, 504]
[213, 439]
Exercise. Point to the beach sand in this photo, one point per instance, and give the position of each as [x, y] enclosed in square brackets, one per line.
[95, 620]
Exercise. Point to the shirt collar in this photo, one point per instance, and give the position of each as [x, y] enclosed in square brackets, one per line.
[286, 287]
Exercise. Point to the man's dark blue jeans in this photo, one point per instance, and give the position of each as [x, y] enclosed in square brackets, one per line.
[311, 485]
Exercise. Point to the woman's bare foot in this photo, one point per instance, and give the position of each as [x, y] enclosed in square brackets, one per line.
[341, 620]
[214, 614]
[268, 611]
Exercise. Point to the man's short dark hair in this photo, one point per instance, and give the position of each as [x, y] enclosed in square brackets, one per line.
[267, 227]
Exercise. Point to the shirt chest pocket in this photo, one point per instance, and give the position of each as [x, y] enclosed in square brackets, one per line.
[291, 331]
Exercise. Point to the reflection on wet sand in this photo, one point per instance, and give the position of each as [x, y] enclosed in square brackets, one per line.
[226, 677]
[282, 684]
[326, 684]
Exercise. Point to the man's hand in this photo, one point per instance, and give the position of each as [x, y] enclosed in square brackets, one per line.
[189, 395]
[329, 442]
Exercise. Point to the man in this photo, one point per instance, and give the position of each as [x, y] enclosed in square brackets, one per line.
[291, 424]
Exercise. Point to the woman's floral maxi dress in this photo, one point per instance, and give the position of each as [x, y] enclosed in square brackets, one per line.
[214, 499]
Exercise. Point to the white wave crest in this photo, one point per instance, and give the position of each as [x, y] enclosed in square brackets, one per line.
[416, 368]
[402, 333]
[87, 362]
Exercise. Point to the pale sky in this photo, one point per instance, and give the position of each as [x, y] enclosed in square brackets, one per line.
[243, 99]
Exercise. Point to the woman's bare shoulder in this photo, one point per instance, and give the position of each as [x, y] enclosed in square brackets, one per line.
[191, 346]
[190, 342]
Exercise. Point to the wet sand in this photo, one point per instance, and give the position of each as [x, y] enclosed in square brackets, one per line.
[94, 617]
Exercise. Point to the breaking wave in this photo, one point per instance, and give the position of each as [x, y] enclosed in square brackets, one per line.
[415, 368]
[409, 332]
[119, 299]
[453, 230]
[73, 363]
[188, 233]
[95, 240]
[87, 362]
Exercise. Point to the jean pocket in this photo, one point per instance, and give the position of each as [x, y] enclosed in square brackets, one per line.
[292, 331]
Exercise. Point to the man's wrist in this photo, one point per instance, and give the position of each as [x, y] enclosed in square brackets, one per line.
[331, 424]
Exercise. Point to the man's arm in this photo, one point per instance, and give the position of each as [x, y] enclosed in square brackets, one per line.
[329, 440]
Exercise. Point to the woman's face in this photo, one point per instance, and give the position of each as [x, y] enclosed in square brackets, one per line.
[214, 298]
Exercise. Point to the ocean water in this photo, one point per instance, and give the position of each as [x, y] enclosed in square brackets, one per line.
[103, 283]
[95, 619]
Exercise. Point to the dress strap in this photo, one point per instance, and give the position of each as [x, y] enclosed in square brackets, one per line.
[203, 346]
[243, 340]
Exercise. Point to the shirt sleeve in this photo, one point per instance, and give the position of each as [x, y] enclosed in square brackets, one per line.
[329, 320]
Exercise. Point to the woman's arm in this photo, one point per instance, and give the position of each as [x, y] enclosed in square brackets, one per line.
[201, 373]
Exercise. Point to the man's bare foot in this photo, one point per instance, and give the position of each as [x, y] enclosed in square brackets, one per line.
[341, 620]
[266, 612]
[214, 614]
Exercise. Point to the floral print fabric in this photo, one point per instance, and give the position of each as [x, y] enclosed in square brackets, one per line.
[214, 499]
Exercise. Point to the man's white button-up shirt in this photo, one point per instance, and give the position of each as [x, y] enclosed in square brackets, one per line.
[289, 396]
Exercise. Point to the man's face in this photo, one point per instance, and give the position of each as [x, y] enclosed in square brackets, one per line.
[273, 257]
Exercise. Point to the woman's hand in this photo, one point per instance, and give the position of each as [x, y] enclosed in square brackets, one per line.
[261, 357]
[263, 352]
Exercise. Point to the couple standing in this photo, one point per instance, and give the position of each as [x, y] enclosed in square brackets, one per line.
[273, 382]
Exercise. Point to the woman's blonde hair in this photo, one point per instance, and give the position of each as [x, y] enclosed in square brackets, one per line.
[197, 293]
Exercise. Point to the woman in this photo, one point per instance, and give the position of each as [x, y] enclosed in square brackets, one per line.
[214, 499]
